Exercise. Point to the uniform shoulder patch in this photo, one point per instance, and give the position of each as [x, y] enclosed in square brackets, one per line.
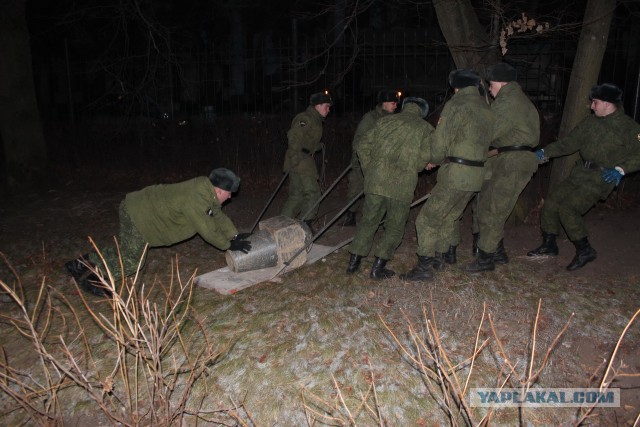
[302, 123]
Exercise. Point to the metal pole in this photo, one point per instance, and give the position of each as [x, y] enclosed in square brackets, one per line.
[326, 192]
[269, 202]
[338, 215]
[313, 239]
[344, 242]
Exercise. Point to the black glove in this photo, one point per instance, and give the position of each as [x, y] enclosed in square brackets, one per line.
[243, 246]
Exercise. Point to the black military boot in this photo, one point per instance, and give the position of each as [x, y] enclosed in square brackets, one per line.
[500, 255]
[378, 271]
[483, 262]
[91, 283]
[350, 219]
[474, 246]
[450, 256]
[423, 270]
[548, 246]
[78, 267]
[81, 269]
[584, 254]
[438, 262]
[354, 263]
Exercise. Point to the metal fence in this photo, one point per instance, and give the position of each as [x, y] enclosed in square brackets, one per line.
[273, 76]
[235, 108]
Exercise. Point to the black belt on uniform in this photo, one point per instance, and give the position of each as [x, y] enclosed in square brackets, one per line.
[465, 161]
[514, 148]
[590, 165]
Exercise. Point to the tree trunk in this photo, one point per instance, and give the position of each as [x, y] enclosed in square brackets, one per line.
[584, 74]
[21, 136]
[468, 42]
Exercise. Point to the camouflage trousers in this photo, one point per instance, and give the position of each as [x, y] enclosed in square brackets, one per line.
[493, 205]
[356, 183]
[130, 248]
[565, 207]
[438, 222]
[374, 209]
[304, 192]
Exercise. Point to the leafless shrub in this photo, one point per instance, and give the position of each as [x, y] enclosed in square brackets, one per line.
[428, 354]
[337, 412]
[155, 355]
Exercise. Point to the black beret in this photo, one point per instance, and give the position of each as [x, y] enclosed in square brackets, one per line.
[462, 78]
[607, 92]
[502, 72]
[224, 179]
[424, 105]
[388, 96]
[320, 98]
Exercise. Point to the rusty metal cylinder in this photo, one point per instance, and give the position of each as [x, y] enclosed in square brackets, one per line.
[263, 254]
[277, 241]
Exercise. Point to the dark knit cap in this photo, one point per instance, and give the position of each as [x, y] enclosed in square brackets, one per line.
[388, 96]
[224, 179]
[424, 105]
[462, 78]
[607, 92]
[320, 98]
[502, 72]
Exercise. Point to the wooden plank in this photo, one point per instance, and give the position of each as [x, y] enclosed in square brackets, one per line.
[226, 282]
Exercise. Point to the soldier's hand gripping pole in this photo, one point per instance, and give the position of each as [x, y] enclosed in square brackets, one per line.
[269, 202]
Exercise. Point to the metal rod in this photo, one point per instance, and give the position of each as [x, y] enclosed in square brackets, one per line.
[344, 242]
[417, 202]
[269, 202]
[326, 192]
[313, 239]
[335, 218]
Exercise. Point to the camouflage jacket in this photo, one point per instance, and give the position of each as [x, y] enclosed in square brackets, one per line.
[609, 141]
[304, 139]
[367, 123]
[168, 214]
[464, 130]
[393, 152]
[517, 122]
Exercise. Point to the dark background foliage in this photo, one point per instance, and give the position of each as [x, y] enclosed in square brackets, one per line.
[174, 88]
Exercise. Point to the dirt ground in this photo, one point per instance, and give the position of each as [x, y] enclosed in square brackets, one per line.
[40, 232]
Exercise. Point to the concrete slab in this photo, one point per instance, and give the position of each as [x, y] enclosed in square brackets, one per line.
[226, 282]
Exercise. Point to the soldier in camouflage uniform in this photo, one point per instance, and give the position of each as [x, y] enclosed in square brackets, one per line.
[459, 144]
[163, 215]
[304, 140]
[516, 134]
[391, 154]
[387, 103]
[609, 145]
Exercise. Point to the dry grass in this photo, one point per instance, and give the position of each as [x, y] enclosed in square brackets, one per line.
[317, 348]
[155, 354]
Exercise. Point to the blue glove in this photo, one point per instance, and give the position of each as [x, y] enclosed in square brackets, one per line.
[540, 154]
[611, 174]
